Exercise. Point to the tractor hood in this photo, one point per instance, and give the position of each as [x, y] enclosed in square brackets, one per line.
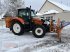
[36, 17]
[37, 20]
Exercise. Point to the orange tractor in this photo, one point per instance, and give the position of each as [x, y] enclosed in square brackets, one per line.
[26, 21]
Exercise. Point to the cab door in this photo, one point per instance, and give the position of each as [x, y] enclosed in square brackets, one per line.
[24, 14]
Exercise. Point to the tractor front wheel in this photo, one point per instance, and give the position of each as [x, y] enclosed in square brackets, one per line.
[17, 28]
[39, 31]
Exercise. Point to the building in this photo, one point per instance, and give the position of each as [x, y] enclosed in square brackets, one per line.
[56, 10]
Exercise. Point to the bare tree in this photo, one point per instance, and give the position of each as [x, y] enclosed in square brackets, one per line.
[11, 6]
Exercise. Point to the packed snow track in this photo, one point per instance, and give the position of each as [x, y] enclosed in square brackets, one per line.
[28, 43]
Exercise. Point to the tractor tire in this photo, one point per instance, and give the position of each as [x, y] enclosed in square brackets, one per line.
[17, 28]
[39, 31]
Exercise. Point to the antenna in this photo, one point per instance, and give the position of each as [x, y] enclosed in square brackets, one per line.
[30, 12]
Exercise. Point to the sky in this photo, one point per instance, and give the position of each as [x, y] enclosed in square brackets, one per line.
[36, 4]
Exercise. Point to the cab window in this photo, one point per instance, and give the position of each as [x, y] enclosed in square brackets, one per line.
[22, 13]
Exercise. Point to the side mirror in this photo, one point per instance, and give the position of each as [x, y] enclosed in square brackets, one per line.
[36, 12]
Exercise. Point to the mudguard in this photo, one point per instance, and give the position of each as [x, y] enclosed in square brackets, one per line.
[19, 19]
[9, 21]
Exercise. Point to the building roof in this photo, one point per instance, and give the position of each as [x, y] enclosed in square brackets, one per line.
[51, 12]
[39, 14]
[61, 6]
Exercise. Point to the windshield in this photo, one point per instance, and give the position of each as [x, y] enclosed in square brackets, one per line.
[22, 13]
[33, 14]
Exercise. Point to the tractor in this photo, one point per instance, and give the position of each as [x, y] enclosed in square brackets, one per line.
[26, 21]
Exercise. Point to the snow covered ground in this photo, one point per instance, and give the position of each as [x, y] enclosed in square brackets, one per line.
[28, 43]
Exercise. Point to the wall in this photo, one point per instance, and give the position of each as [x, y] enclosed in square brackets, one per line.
[49, 6]
[63, 16]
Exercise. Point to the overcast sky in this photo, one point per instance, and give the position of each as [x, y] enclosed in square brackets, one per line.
[36, 4]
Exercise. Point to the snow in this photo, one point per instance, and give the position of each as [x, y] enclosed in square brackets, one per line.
[65, 2]
[67, 27]
[51, 11]
[13, 43]
[62, 6]
[28, 43]
[66, 31]
[39, 14]
[59, 48]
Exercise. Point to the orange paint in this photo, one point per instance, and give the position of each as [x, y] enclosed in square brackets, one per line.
[58, 30]
[9, 21]
[37, 21]
[19, 19]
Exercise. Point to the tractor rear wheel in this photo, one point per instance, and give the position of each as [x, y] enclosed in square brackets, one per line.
[39, 31]
[17, 28]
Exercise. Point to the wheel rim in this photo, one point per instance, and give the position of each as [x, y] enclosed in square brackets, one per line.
[16, 28]
[39, 31]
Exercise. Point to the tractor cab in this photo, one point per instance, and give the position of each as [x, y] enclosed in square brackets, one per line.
[26, 21]
[26, 13]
